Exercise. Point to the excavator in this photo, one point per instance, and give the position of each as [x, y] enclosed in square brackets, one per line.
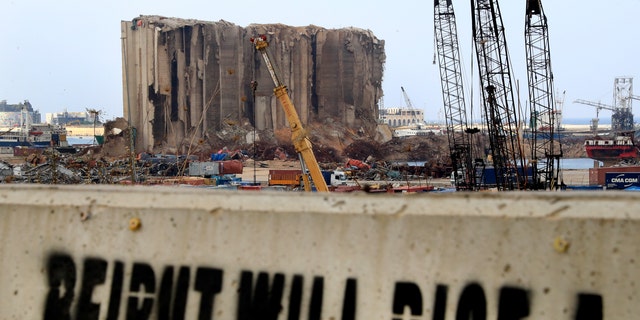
[299, 136]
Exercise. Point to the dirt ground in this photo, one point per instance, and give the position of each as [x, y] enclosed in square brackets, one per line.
[260, 174]
[333, 146]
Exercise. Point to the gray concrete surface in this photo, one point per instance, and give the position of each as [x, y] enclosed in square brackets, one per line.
[106, 251]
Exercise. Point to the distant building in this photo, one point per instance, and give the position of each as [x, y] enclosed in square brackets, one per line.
[399, 117]
[11, 114]
[69, 118]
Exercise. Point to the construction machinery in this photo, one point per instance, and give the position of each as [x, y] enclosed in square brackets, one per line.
[500, 110]
[622, 117]
[546, 149]
[415, 124]
[299, 136]
[599, 106]
[415, 120]
[620, 145]
[458, 133]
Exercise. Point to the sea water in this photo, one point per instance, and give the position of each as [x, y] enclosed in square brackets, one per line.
[81, 140]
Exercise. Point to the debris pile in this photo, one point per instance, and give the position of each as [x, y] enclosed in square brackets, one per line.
[335, 148]
[52, 167]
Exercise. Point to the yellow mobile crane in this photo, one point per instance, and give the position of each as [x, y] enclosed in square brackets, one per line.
[298, 135]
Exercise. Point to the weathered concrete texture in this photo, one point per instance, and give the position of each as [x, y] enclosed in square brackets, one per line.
[186, 79]
[114, 252]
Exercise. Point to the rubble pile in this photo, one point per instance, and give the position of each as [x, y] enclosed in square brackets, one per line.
[52, 167]
[335, 147]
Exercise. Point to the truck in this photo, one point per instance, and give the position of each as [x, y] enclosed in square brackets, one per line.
[294, 178]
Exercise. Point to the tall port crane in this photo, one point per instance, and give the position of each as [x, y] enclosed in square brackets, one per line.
[546, 150]
[458, 133]
[622, 117]
[299, 136]
[623, 96]
[500, 111]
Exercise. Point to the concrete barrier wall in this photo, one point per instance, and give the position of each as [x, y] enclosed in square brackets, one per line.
[172, 253]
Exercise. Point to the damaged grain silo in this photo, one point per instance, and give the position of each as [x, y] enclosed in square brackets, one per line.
[185, 80]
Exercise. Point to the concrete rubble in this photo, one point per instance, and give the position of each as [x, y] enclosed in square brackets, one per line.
[361, 158]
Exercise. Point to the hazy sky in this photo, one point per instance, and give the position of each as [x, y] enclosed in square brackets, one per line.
[66, 54]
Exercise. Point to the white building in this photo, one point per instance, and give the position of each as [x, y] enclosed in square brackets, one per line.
[399, 117]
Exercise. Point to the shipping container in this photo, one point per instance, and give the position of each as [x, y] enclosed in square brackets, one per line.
[214, 168]
[231, 167]
[285, 177]
[204, 169]
[21, 151]
[597, 175]
[622, 180]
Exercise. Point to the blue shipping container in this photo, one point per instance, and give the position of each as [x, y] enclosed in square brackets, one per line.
[621, 180]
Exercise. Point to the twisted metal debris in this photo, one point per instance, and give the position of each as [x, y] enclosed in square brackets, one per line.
[53, 167]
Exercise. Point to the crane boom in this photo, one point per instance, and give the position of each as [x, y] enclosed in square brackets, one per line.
[407, 101]
[499, 104]
[299, 136]
[414, 118]
[546, 149]
[598, 105]
[458, 134]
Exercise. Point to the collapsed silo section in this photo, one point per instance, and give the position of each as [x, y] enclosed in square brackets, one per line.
[186, 82]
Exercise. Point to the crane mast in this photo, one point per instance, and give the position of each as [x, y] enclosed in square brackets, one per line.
[458, 133]
[622, 95]
[546, 149]
[499, 105]
[299, 136]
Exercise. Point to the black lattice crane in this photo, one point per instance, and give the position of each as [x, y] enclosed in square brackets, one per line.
[458, 132]
[546, 149]
[500, 110]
